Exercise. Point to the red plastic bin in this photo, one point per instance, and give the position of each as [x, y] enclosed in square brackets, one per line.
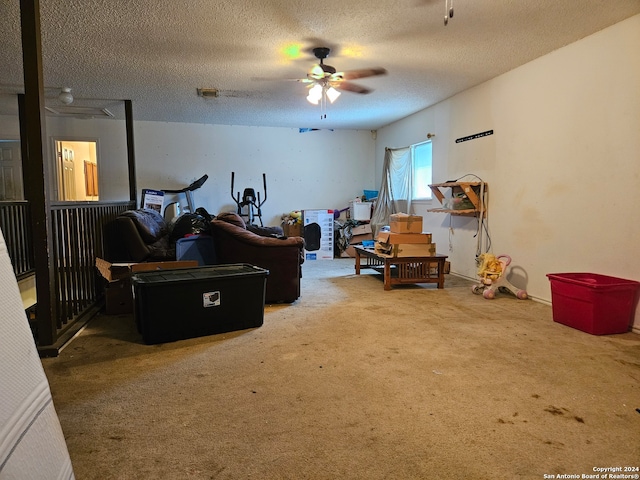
[596, 304]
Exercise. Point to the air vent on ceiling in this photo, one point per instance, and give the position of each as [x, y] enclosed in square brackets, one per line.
[207, 92]
[78, 111]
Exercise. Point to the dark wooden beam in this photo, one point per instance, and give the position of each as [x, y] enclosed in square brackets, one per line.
[131, 154]
[35, 171]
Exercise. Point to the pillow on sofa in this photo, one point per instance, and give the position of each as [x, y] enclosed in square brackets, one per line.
[276, 232]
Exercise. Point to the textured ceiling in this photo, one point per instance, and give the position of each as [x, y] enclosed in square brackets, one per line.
[158, 52]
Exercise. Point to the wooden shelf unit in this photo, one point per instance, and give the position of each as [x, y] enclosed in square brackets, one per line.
[473, 190]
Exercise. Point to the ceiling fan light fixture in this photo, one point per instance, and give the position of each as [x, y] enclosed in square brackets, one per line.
[333, 94]
[315, 94]
[65, 96]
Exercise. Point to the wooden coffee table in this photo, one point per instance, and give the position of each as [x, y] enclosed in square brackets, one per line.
[402, 270]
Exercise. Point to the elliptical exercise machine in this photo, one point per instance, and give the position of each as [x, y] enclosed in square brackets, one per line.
[249, 207]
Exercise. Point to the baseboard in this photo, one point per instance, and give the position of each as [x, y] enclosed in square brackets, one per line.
[634, 329]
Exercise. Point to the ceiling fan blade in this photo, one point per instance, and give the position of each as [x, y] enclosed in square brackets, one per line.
[365, 72]
[352, 87]
[278, 79]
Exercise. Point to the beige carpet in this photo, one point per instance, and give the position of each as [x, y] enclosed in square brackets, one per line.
[352, 382]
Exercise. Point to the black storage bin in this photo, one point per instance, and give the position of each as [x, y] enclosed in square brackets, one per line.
[192, 302]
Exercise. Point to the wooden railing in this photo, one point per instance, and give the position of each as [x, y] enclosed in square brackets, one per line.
[15, 225]
[77, 231]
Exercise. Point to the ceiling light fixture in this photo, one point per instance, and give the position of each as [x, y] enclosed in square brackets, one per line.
[65, 96]
[320, 93]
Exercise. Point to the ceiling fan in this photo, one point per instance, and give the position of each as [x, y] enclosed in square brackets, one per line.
[325, 83]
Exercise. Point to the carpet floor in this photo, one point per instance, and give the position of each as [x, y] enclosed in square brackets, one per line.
[354, 382]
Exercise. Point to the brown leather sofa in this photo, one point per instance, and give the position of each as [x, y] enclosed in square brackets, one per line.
[144, 236]
[282, 256]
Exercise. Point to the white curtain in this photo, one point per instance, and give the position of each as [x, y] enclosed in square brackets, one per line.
[396, 189]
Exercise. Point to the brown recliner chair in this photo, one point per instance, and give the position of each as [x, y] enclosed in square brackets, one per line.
[142, 236]
[282, 256]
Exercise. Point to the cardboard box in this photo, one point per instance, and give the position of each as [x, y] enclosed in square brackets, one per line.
[112, 272]
[390, 237]
[318, 234]
[355, 240]
[118, 293]
[359, 234]
[152, 200]
[400, 250]
[349, 252]
[404, 223]
[361, 229]
[294, 230]
[118, 298]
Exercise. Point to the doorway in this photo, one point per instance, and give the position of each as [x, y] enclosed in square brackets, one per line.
[77, 170]
[10, 171]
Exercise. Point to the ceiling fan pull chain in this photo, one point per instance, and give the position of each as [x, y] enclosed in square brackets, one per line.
[448, 11]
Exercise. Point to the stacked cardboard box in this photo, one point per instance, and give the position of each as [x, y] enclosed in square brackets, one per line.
[360, 234]
[118, 293]
[404, 223]
[406, 238]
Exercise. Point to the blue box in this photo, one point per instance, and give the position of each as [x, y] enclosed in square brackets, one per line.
[370, 194]
[197, 247]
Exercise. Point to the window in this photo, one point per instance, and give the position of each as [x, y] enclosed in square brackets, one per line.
[422, 172]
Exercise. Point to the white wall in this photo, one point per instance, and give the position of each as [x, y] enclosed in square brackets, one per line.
[563, 164]
[111, 139]
[312, 170]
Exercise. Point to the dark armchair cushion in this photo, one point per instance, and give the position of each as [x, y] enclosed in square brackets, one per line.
[141, 236]
[150, 224]
[232, 218]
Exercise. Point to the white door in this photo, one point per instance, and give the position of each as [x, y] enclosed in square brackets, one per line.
[10, 171]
